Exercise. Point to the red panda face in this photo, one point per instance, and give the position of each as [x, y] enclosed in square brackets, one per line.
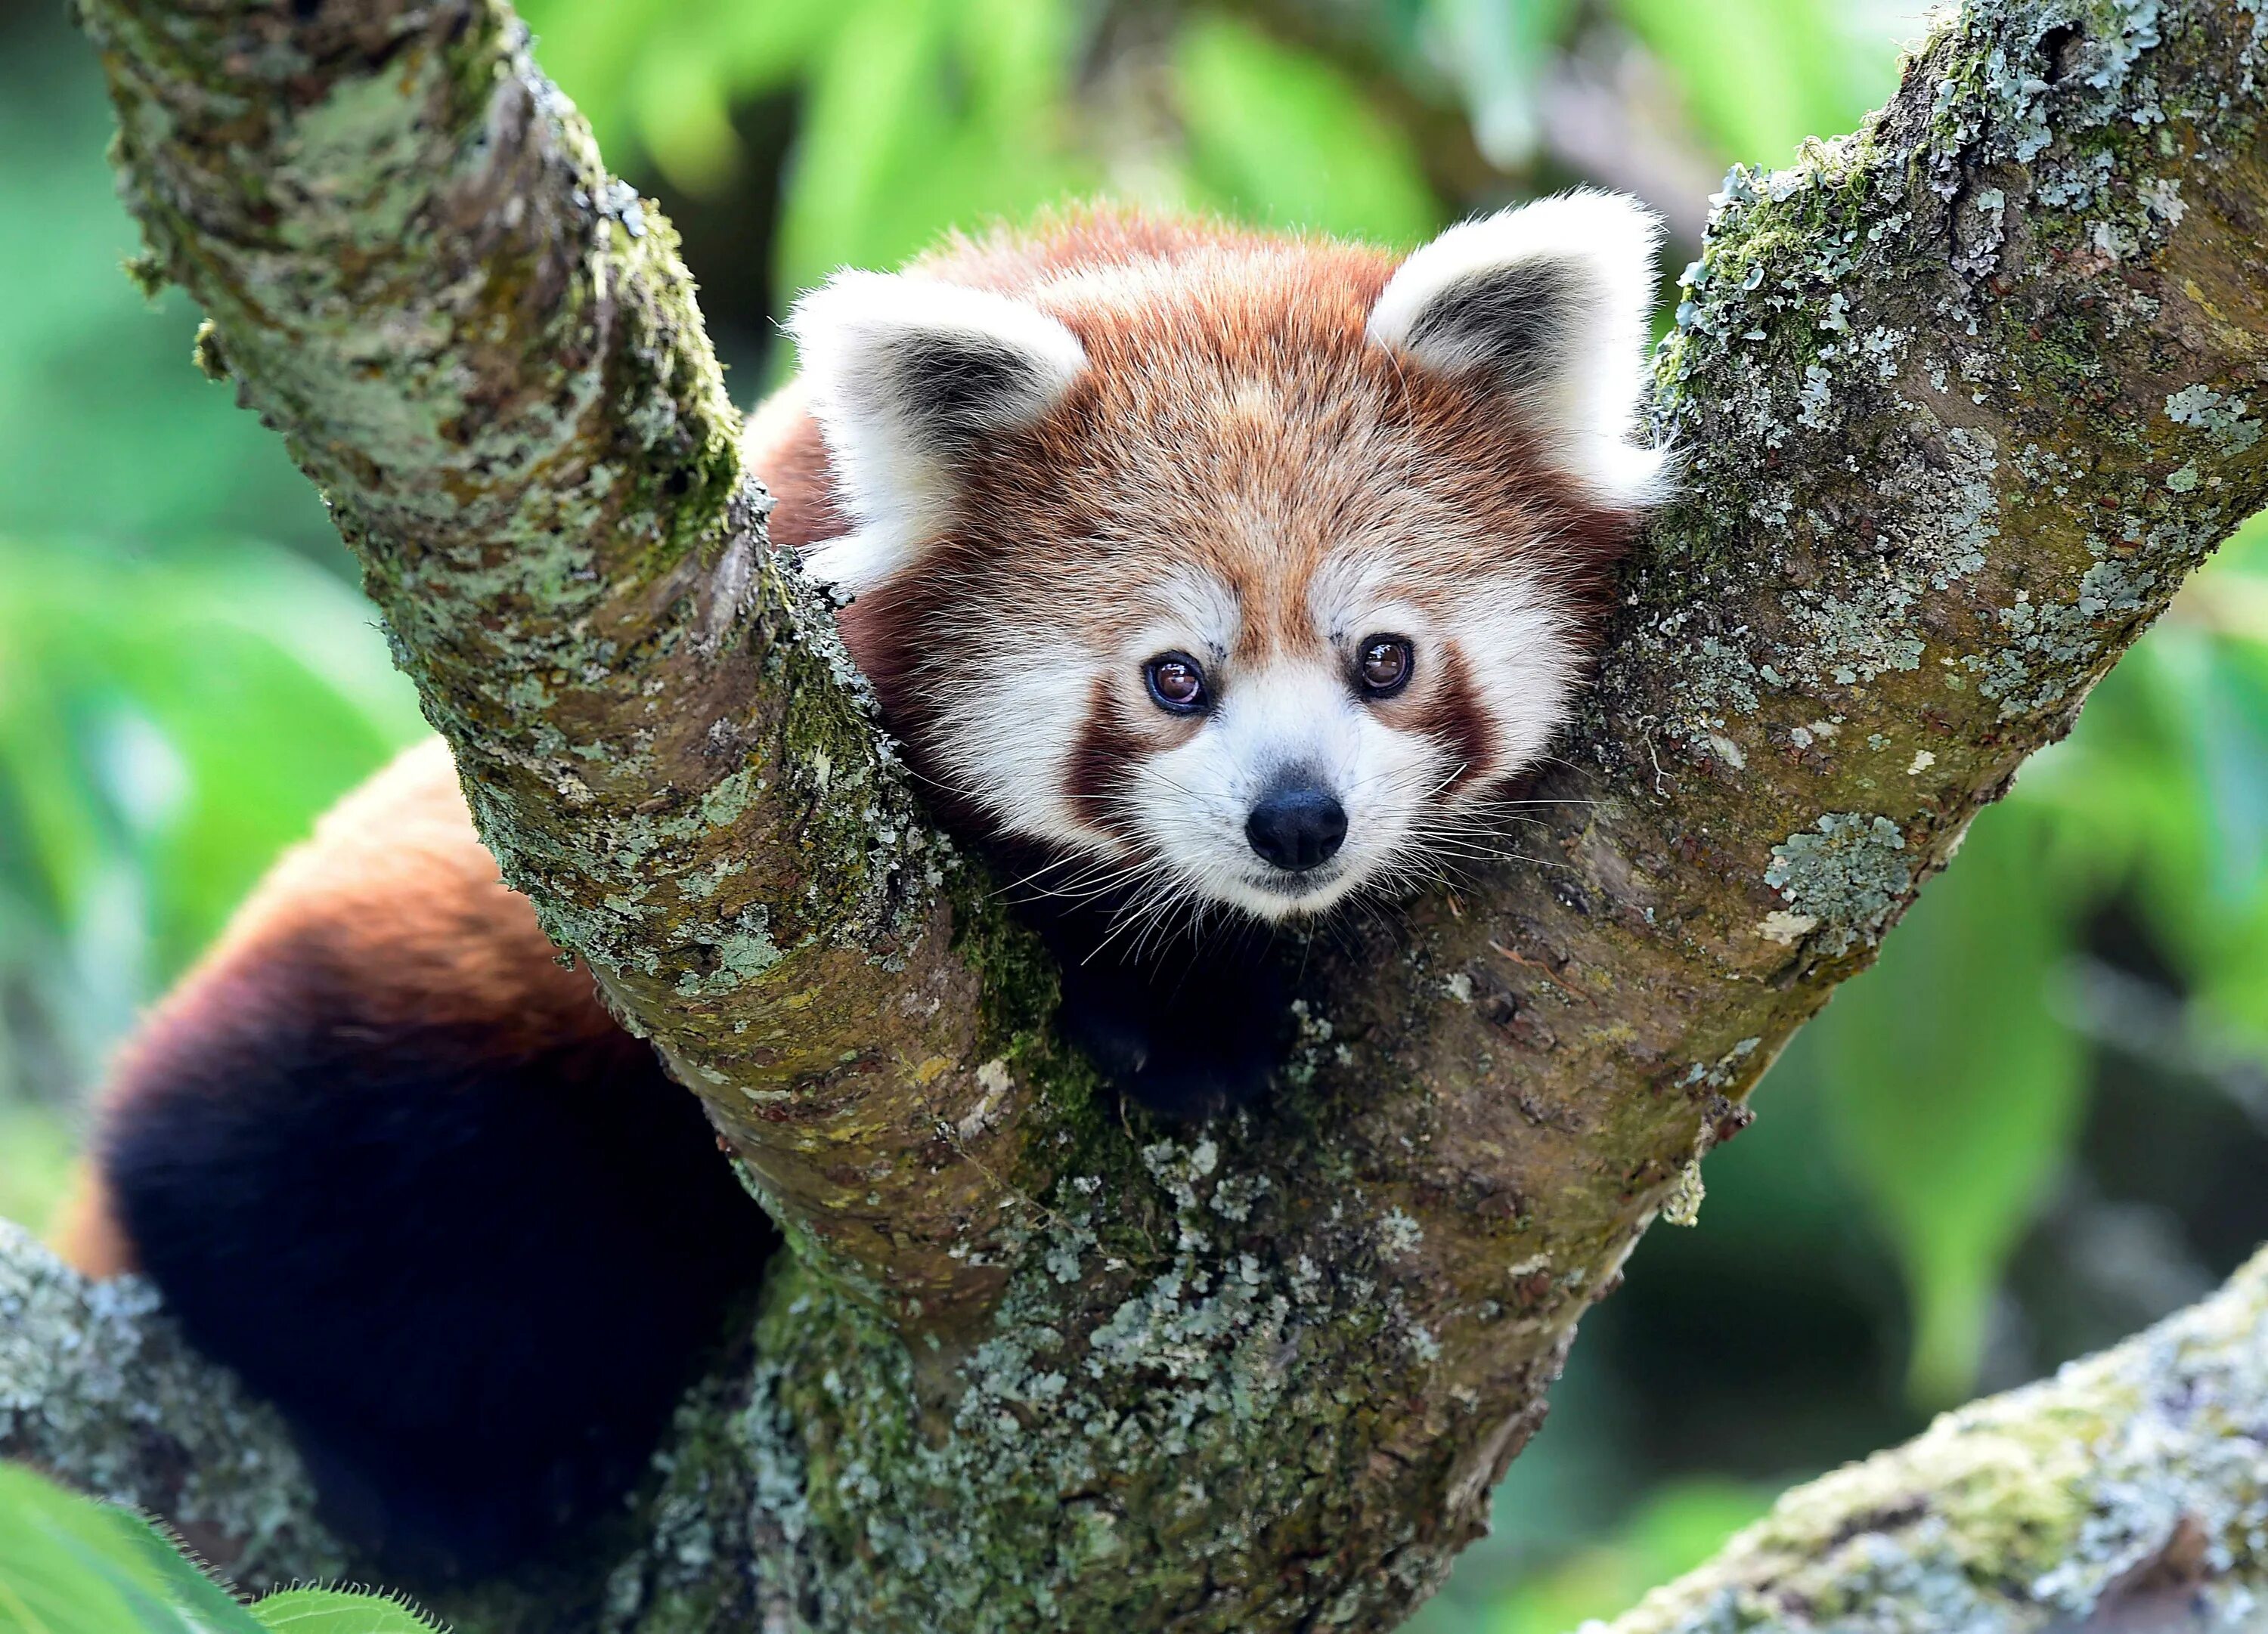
[1235, 571]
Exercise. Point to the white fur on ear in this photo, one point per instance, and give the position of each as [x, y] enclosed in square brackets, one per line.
[903, 374]
[1554, 296]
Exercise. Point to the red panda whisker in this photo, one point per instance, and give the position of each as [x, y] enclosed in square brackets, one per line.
[1130, 921]
[1398, 773]
[1088, 887]
[934, 782]
[1562, 760]
[1069, 859]
[1177, 788]
[1503, 828]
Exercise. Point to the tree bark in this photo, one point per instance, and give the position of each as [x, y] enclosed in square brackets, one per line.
[1962, 397]
[2124, 1495]
[98, 1387]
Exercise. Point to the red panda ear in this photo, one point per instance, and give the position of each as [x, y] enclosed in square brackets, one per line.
[1553, 298]
[904, 372]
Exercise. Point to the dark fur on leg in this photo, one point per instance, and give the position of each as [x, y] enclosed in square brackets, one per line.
[1195, 1025]
[474, 1275]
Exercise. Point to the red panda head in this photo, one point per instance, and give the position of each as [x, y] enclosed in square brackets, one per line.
[1232, 570]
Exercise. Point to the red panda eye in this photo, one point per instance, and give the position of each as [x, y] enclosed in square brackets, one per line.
[1176, 683]
[1385, 665]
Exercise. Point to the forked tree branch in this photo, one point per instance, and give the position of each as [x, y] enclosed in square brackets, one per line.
[1962, 399]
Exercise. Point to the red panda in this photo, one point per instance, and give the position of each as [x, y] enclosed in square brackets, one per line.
[1203, 574]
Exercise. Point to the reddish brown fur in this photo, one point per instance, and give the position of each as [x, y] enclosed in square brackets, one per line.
[791, 459]
[397, 1169]
[1247, 426]
[86, 1234]
[396, 886]
[1106, 745]
[380, 1118]
[1454, 716]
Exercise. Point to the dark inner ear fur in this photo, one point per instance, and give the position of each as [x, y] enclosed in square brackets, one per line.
[953, 387]
[1516, 318]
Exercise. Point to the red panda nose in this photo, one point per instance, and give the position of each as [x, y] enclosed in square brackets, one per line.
[1297, 826]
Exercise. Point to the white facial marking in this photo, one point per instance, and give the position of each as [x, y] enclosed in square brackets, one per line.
[1299, 718]
[1013, 758]
[1298, 721]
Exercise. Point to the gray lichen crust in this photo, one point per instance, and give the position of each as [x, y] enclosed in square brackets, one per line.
[1961, 398]
[2129, 1491]
[97, 1387]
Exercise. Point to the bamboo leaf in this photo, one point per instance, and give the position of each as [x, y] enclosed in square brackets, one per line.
[338, 1611]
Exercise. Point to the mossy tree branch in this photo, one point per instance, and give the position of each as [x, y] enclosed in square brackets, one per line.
[486, 353]
[2127, 1493]
[97, 1387]
[1962, 397]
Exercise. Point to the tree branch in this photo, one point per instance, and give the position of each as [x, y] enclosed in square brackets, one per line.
[1962, 398]
[97, 1387]
[486, 353]
[2122, 1494]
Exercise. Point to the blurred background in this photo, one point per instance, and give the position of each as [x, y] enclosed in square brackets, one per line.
[2040, 1123]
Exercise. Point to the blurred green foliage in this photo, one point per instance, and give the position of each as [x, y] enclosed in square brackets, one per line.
[167, 724]
[1762, 75]
[1672, 1529]
[2038, 1123]
[1955, 1078]
[36, 1147]
[1953, 1091]
[102, 429]
[1283, 139]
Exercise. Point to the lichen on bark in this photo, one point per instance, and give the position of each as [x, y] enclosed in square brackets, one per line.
[2128, 1492]
[98, 1387]
[486, 353]
[1961, 398]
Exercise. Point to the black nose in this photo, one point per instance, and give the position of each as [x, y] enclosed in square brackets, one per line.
[1299, 826]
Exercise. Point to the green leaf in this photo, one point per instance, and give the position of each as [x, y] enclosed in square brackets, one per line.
[337, 1611]
[1281, 137]
[1954, 1090]
[69, 1565]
